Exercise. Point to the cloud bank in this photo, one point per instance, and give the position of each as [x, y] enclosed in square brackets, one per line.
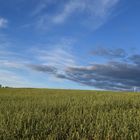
[120, 71]
[112, 75]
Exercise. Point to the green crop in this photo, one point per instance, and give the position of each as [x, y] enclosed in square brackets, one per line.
[42, 114]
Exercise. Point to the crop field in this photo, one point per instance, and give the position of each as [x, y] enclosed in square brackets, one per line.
[45, 114]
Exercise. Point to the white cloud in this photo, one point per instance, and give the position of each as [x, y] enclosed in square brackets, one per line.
[102, 8]
[93, 13]
[58, 55]
[11, 64]
[3, 22]
[42, 5]
[68, 10]
[12, 79]
[9, 58]
[38, 9]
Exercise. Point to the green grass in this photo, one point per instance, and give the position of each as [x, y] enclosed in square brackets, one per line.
[41, 114]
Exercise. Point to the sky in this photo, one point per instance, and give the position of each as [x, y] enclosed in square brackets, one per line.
[72, 44]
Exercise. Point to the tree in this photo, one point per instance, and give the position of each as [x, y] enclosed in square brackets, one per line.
[0, 86]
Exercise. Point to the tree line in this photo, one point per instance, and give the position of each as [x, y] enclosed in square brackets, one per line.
[1, 86]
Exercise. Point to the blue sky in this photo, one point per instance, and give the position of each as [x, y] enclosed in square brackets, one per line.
[76, 44]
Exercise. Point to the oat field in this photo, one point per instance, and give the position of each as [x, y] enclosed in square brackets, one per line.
[45, 114]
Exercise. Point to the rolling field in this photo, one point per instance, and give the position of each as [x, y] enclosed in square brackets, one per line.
[41, 114]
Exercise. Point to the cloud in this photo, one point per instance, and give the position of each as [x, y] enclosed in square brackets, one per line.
[135, 58]
[56, 54]
[112, 75]
[69, 8]
[3, 23]
[109, 53]
[93, 13]
[93, 8]
[12, 79]
[53, 57]
[11, 64]
[44, 68]
[9, 58]
[58, 57]
[41, 6]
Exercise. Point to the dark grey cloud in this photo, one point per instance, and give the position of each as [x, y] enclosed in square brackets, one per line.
[135, 58]
[112, 75]
[109, 76]
[111, 53]
[43, 68]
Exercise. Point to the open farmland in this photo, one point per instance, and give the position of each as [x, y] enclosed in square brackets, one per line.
[42, 114]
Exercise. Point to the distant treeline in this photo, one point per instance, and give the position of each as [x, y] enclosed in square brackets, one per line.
[4, 86]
